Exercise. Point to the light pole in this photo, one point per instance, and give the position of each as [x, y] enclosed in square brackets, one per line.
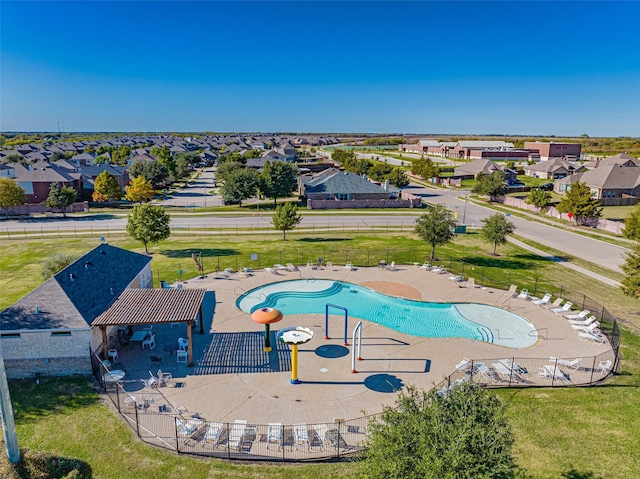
[464, 213]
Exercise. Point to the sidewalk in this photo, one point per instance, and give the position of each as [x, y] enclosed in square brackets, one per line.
[579, 269]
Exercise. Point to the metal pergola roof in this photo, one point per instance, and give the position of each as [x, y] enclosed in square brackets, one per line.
[149, 306]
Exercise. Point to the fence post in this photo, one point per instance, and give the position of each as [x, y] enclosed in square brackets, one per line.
[584, 300]
[135, 407]
[535, 287]
[553, 376]
[593, 368]
[175, 428]
[338, 439]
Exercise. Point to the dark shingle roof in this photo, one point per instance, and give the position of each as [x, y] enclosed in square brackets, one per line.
[342, 182]
[79, 293]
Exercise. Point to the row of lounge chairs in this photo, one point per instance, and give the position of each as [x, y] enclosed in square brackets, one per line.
[241, 436]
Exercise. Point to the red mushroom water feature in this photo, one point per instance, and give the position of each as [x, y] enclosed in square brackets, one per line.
[266, 316]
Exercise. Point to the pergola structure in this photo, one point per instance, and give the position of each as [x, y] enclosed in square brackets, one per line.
[153, 306]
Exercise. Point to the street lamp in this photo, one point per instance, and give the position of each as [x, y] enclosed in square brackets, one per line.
[464, 213]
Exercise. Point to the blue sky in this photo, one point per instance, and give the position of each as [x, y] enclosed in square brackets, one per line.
[537, 68]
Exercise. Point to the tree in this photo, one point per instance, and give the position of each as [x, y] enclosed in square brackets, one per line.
[14, 158]
[55, 264]
[379, 171]
[580, 203]
[632, 224]
[182, 167]
[139, 190]
[631, 267]
[149, 224]
[278, 179]
[239, 186]
[165, 159]
[120, 155]
[136, 169]
[227, 168]
[492, 185]
[155, 172]
[285, 218]
[106, 188]
[436, 227]
[11, 194]
[539, 198]
[425, 168]
[463, 434]
[495, 230]
[55, 156]
[398, 178]
[61, 197]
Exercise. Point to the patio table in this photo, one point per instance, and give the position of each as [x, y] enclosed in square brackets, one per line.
[113, 376]
[138, 337]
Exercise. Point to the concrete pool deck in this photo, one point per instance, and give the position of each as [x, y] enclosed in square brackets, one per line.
[329, 390]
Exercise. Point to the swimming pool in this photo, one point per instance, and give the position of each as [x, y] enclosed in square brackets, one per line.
[418, 318]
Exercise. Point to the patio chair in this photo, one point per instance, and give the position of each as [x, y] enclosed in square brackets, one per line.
[236, 435]
[515, 367]
[464, 364]
[512, 291]
[591, 336]
[349, 266]
[183, 344]
[246, 272]
[279, 266]
[545, 300]
[485, 372]
[471, 283]
[504, 373]
[605, 366]
[524, 294]
[329, 265]
[151, 382]
[581, 315]
[571, 364]
[302, 435]
[112, 354]
[182, 357]
[164, 378]
[566, 307]
[555, 304]
[426, 266]
[274, 434]
[392, 266]
[213, 435]
[291, 267]
[550, 371]
[270, 271]
[439, 270]
[150, 341]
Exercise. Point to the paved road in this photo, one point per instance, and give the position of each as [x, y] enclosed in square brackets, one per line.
[196, 194]
[595, 251]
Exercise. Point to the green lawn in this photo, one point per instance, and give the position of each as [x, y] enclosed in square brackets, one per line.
[576, 432]
[618, 213]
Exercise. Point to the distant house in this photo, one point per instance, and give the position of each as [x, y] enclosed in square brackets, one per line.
[48, 332]
[334, 184]
[36, 180]
[552, 169]
[421, 147]
[486, 167]
[612, 183]
[464, 148]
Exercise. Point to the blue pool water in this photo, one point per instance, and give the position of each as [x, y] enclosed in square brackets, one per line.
[418, 318]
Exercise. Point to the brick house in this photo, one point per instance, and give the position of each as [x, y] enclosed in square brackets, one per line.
[48, 332]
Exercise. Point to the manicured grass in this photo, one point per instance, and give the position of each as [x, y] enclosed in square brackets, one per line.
[581, 432]
[618, 213]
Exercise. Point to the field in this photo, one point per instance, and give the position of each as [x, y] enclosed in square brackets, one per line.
[575, 432]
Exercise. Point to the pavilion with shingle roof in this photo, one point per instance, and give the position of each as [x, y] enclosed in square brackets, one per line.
[153, 306]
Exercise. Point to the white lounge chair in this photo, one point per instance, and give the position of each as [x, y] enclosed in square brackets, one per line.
[302, 435]
[426, 266]
[573, 364]
[471, 283]
[591, 328]
[164, 378]
[555, 304]
[464, 364]
[506, 374]
[213, 435]
[515, 367]
[584, 322]
[590, 336]
[270, 271]
[236, 435]
[550, 371]
[512, 291]
[349, 266]
[291, 267]
[545, 300]
[524, 294]
[279, 267]
[188, 429]
[439, 269]
[566, 307]
[274, 434]
[485, 372]
[581, 315]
